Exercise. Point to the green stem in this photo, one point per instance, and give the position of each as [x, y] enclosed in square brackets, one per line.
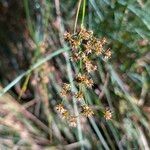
[77, 14]
[73, 89]
[29, 22]
[81, 68]
[83, 13]
[82, 23]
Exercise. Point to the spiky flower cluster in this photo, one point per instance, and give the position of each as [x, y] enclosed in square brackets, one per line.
[85, 49]
[85, 46]
[107, 114]
[84, 79]
[87, 111]
[65, 89]
[72, 120]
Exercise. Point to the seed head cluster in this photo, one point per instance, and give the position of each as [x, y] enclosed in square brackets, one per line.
[79, 96]
[72, 120]
[85, 48]
[65, 89]
[107, 114]
[84, 80]
[87, 111]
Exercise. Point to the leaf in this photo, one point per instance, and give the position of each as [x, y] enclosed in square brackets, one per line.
[142, 14]
[36, 65]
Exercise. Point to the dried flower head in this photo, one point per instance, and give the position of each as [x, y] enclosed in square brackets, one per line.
[75, 57]
[73, 40]
[103, 41]
[85, 34]
[107, 114]
[89, 66]
[98, 47]
[84, 79]
[79, 95]
[65, 89]
[84, 57]
[107, 54]
[60, 108]
[67, 36]
[63, 93]
[72, 121]
[89, 83]
[80, 78]
[87, 111]
[88, 47]
[65, 114]
[75, 43]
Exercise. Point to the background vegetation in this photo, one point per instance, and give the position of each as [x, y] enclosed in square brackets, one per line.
[34, 62]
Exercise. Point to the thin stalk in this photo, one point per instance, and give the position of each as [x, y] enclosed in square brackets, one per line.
[29, 23]
[83, 13]
[73, 89]
[77, 14]
[81, 66]
[69, 69]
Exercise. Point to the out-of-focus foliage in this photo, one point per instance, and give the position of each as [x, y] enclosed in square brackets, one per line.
[31, 34]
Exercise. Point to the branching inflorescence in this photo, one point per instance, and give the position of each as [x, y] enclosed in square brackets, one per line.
[85, 48]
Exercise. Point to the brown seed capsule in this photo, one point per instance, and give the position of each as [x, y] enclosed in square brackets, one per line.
[85, 34]
[75, 43]
[65, 89]
[89, 83]
[84, 79]
[65, 114]
[72, 121]
[60, 108]
[89, 66]
[107, 114]
[67, 36]
[87, 111]
[79, 95]
[88, 47]
[107, 54]
[80, 78]
[98, 48]
[75, 57]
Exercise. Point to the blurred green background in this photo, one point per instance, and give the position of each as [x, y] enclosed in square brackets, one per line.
[34, 62]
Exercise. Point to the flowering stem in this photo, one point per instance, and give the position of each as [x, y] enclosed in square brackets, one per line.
[77, 14]
[83, 12]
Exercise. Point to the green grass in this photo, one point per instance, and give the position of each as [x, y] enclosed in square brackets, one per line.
[28, 119]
